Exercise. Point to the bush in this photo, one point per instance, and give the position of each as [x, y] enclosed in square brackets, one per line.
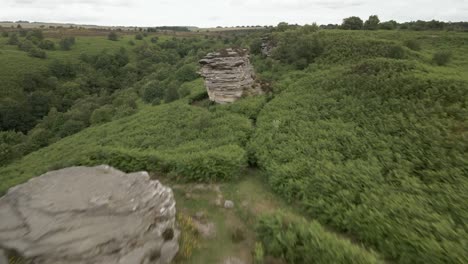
[66, 43]
[9, 146]
[154, 40]
[113, 36]
[442, 58]
[324, 143]
[413, 44]
[187, 73]
[26, 45]
[138, 36]
[102, 115]
[299, 241]
[47, 45]
[13, 39]
[37, 53]
[396, 52]
[4, 34]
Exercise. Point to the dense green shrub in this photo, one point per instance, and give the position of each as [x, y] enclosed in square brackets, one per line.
[47, 45]
[66, 43]
[13, 39]
[373, 153]
[441, 58]
[299, 241]
[413, 44]
[10, 149]
[187, 73]
[139, 37]
[113, 36]
[37, 53]
[26, 45]
[298, 49]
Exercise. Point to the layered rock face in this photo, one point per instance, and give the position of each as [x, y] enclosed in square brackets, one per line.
[228, 75]
[90, 215]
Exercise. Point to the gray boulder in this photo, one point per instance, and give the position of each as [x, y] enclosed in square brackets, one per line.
[90, 215]
[228, 204]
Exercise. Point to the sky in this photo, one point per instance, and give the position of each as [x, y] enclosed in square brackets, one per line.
[211, 13]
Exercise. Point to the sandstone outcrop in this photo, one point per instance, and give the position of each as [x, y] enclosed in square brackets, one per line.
[267, 46]
[90, 215]
[228, 75]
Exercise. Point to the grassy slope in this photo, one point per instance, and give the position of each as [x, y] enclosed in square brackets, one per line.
[144, 135]
[374, 152]
[198, 138]
[15, 63]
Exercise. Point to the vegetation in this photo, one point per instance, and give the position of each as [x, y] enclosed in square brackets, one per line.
[299, 241]
[363, 131]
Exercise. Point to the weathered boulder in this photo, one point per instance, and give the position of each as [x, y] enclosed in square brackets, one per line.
[228, 75]
[90, 215]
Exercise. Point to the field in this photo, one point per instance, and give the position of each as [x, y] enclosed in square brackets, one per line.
[356, 153]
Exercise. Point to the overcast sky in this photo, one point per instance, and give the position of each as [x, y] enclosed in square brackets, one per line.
[208, 13]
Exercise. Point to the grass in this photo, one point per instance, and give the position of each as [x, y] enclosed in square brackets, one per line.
[253, 200]
[15, 63]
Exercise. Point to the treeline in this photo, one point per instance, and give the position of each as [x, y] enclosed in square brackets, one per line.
[72, 95]
[64, 99]
[168, 28]
[34, 43]
[374, 23]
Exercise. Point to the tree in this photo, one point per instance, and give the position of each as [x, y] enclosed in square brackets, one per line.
[113, 36]
[66, 43]
[388, 25]
[372, 23]
[47, 45]
[352, 23]
[152, 91]
[187, 73]
[13, 39]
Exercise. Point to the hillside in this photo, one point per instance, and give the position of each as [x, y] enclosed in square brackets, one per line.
[362, 134]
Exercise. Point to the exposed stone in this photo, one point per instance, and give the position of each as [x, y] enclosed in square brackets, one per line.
[3, 258]
[233, 260]
[267, 46]
[228, 204]
[90, 215]
[228, 75]
[200, 215]
[206, 230]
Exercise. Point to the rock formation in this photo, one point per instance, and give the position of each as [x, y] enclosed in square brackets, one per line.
[228, 75]
[267, 46]
[90, 215]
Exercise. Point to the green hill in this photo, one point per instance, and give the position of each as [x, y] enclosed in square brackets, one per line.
[365, 132]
